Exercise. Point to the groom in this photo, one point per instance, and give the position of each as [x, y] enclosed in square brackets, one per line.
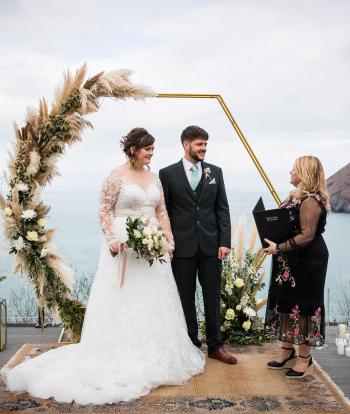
[196, 201]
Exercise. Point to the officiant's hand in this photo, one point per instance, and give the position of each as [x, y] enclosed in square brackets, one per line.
[272, 247]
[223, 252]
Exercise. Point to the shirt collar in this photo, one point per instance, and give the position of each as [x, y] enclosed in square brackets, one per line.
[187, 164]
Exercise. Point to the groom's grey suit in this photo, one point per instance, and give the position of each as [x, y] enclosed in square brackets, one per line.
[200, 221]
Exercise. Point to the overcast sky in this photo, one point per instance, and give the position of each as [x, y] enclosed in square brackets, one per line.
[282, 67]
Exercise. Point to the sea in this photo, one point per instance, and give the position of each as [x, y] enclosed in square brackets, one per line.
[78, 239]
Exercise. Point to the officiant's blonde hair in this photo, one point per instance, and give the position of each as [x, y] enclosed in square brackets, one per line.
[312, 179]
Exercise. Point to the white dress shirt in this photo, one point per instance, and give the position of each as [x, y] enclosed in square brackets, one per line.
[188, 165]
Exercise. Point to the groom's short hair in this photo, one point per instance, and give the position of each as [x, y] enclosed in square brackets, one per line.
[194, 132]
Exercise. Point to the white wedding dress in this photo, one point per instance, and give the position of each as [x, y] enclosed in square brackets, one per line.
[134, 337]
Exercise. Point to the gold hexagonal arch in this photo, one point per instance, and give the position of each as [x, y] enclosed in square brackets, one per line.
[239, 132]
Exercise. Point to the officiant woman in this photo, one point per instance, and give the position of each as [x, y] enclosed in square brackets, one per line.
[295, 308]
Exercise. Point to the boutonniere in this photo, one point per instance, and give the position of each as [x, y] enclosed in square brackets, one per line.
[207, 172]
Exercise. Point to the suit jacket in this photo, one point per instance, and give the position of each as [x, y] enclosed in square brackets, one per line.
[199, 219]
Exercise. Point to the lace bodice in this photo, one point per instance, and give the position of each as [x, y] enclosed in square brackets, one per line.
[125, 194]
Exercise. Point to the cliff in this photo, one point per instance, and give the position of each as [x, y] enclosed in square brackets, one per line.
[339, 190]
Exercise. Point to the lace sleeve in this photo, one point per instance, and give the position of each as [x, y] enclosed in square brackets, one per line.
[109, 194]
[162, 216]
[310, 212]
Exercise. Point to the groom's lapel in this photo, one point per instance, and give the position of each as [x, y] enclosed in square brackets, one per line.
[183, 177]
[205, 180]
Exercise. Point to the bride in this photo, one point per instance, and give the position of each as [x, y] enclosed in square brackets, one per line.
[134, 335]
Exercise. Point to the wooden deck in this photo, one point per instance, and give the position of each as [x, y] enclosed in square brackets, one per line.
[337, 367]
[17, 336]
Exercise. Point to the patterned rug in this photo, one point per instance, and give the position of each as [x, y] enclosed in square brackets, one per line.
[246, 388]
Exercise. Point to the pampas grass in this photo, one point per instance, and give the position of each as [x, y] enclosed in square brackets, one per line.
[46, 135]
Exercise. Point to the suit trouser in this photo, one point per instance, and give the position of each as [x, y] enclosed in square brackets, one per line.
[208, 268]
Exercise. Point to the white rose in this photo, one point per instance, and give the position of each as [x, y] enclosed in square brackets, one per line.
[249, 312]
[147, 231]
[239, 282]
[137, 234]
[238, 307]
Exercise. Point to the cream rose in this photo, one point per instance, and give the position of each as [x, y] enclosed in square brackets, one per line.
[246, 325]
[239, 282]
[32, 236]
[41, 222]
[8, 212]
[230, 314]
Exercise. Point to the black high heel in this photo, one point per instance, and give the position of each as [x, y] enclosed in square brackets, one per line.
[291, 373]
[287, 363]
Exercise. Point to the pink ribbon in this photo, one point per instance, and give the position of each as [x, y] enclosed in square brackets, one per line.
[122, 262]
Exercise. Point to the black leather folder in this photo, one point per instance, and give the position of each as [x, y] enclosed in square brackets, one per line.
[275, 225]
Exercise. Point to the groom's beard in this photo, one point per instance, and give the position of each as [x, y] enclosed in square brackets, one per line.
[194, 155]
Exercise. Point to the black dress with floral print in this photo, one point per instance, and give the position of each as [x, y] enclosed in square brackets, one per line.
[295, 308]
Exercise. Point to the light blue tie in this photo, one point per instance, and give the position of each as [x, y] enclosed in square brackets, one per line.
[195, 178]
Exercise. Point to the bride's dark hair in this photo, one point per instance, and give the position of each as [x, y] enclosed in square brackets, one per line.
[137, 138]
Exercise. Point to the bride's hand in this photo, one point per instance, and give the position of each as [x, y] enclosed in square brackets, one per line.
[115, 245]
[171, 254]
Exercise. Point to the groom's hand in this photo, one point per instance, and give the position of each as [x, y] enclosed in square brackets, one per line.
[223, 252]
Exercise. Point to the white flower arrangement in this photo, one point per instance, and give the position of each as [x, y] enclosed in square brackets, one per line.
[240, 282]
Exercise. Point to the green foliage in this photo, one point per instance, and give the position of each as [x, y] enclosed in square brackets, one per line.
[72, 313]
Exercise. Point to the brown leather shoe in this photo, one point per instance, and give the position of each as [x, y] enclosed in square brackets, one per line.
[223, 356]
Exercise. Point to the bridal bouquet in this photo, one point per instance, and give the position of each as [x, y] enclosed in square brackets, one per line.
[146, 239]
